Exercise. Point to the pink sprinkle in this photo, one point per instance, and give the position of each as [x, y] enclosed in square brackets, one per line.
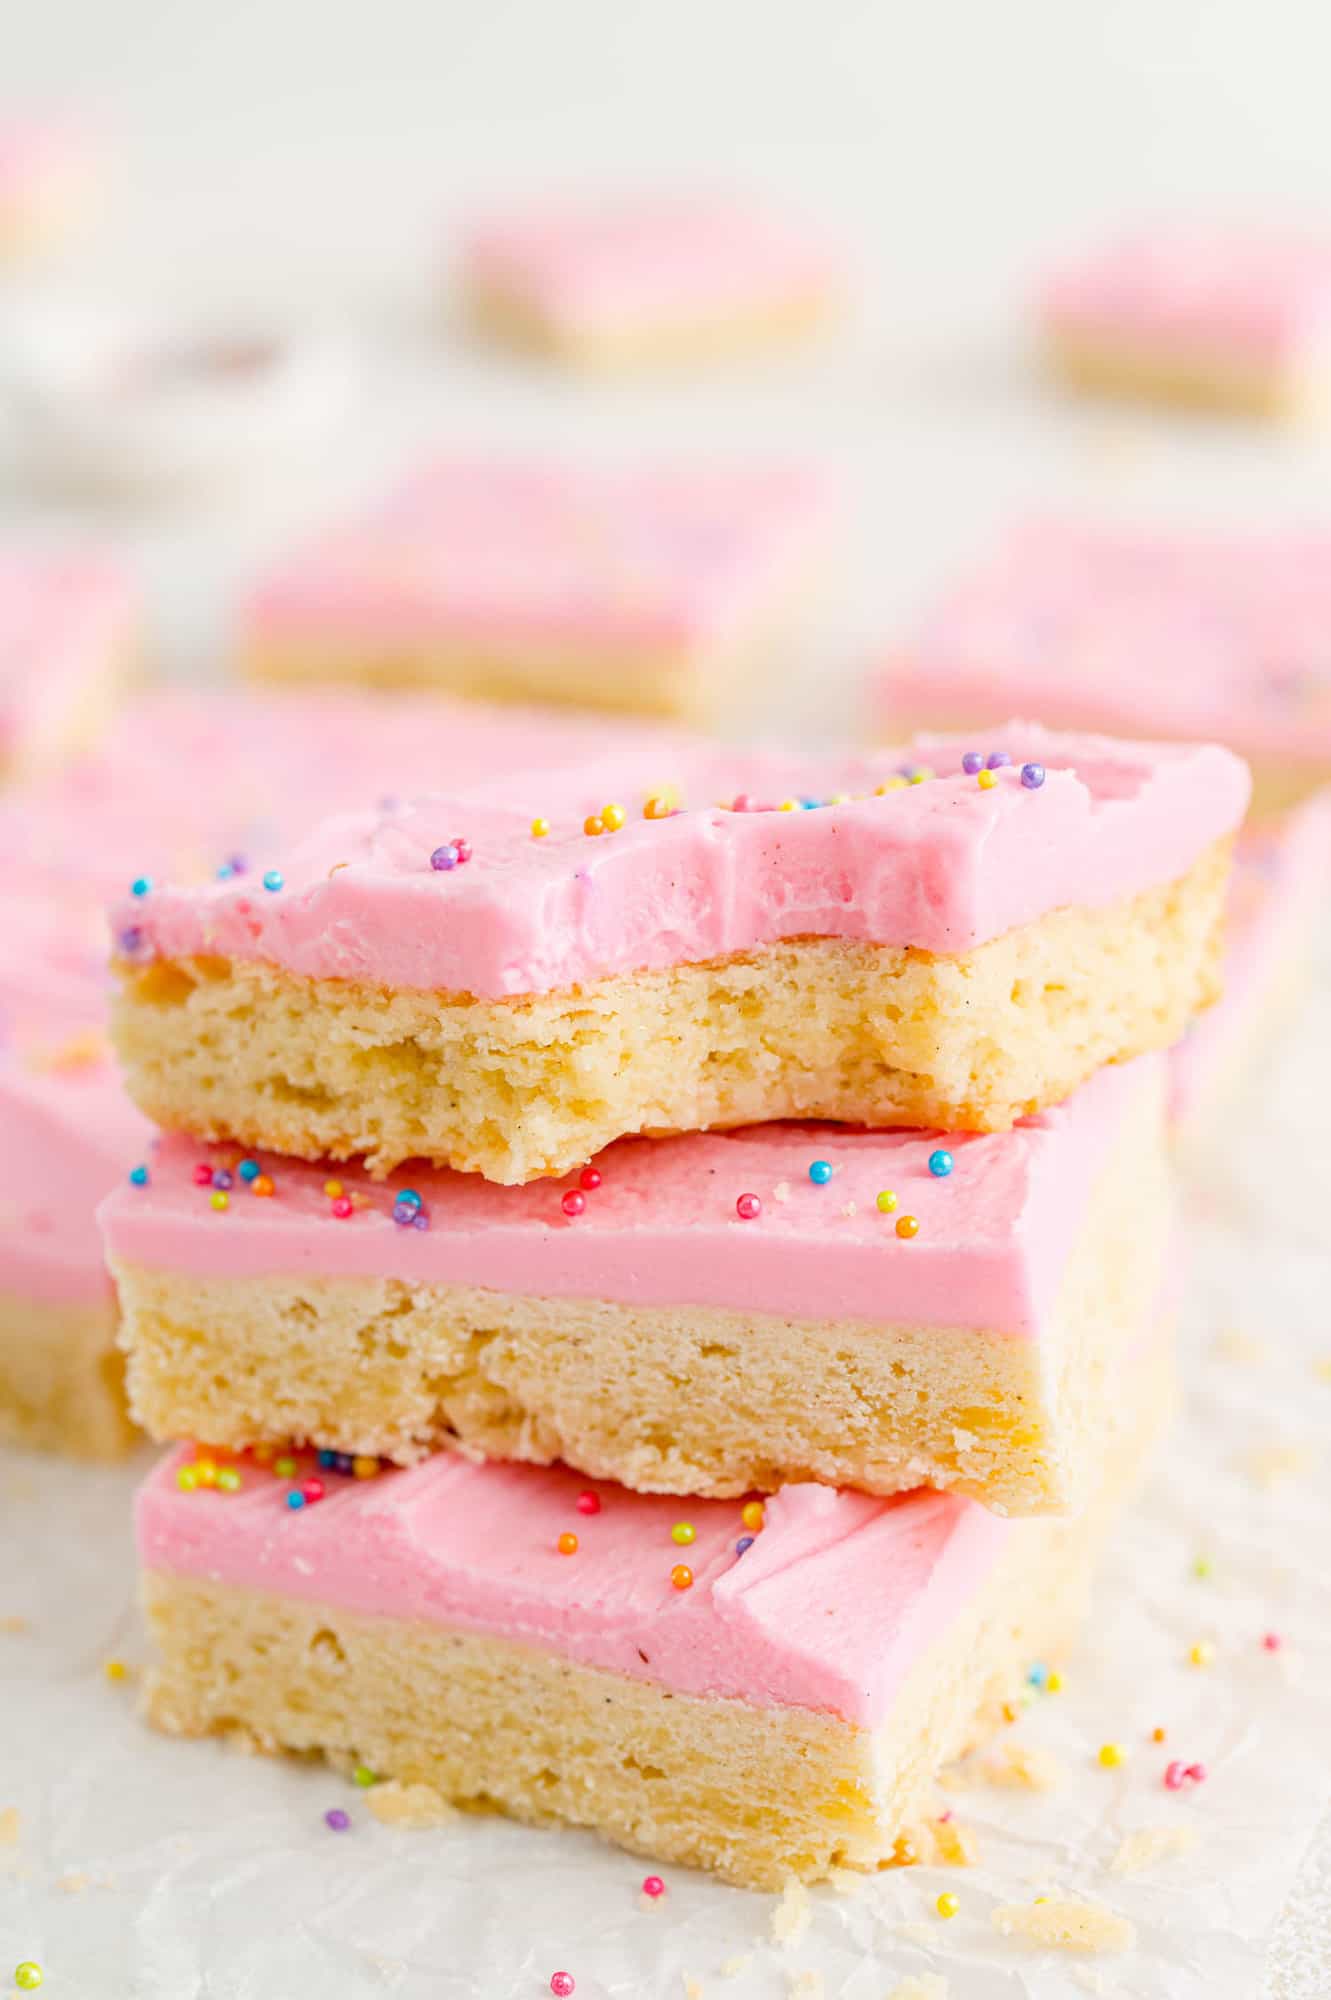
[203, 1174]
[589, 1503]
[1175, 1773]
[312, 1490]
[343, 1207]
[573, 1203]
[462, 848]
[562, 1984]
[748, 1208]
[1197, 1772]
[1272, 1641]
[590, 1178]
[653, 1886]
[744, 802]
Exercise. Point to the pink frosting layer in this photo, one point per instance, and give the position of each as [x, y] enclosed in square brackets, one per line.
[662, 1229]
[632, 263]
[1259, 297]
[506, 553]
[943, 865]
[183, 783]
[1219, 636]
[837, 1598]
[1281, 877]
[64, 619]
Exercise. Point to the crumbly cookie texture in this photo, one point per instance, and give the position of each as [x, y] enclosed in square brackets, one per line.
[684, 1398]
[1067, 1924]
[812, 1028]
[62, 1378]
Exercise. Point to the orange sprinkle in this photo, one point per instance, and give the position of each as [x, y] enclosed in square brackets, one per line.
[752, 1515]
[261, 1184]
[681, 1576]
[907, 1227]
[1157, 1734]
[567, 1543]
[657, 807]
[334, 1190]
[593, 824]
[365, 1467]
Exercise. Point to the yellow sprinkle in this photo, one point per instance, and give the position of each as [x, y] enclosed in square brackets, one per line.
[887, 1201]
[1202, 1566]
[539, 828]
[220, 1198]
[187, 1479]
[613, 817]
[682, 1533]
[918, 777]
[1111, 1755]
[752, 1515]
[116, 1670]
[1053, 1683]
[790, 805]
[1202, 1654]
[839, 799]
[985, 780]
[229, 1479]
[205, 1470]
[947, 1904]
[334, 1190]
[892, 785]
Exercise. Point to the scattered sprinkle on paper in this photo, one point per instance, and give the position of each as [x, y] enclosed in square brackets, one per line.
[791, 1917]
[411, 1806]
[1067, 1924]
[1150, 1845]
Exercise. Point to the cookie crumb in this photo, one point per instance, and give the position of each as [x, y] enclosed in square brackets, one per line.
[13, 1624]
[1151, 1844]
[1021, 1767]
[9, 1825]
[792, 1915]
[738, 1962]
[1240, 1348]
[1268, 1464]
[1067, 1924]
[415, 1807]
[806, 1986]
[692, 1986]
[920, 1986]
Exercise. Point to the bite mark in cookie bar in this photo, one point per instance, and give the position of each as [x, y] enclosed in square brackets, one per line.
[626, 281]
[68, 636]
[783, 1711]
[639, 1329]
[1093, 626]
[955, 953]
[1227, 318]
[647, 588]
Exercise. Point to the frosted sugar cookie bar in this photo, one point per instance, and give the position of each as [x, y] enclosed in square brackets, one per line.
[1221, 317]
[457, 982]
[68, 636]
[1094, 626]
[627, 281]
[707, 1314]
[760, 1688]
[649, 588]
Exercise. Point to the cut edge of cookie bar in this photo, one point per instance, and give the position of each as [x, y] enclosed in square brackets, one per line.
[62, 1378]
[807, 1028]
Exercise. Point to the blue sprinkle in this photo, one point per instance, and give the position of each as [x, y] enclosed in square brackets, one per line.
[1037, 1674]
[295, 1499]
[225, 872]
[140, 885]
[272, 880]
[820, 1172]
[940, 1164]
[248, 1171]
[138, 1177]
[408, 1195]
[327, 1460]
[744, 1542]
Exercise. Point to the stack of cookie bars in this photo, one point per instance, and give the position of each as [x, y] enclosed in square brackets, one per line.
[580, 1426]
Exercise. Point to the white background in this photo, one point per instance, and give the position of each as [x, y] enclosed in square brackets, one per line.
[308, 160]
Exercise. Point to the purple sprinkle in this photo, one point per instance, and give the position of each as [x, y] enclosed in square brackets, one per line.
[972, 762]
[1032, 776]
[420, 1220]
[338, 1820]
[237, 863]
[996, 760]
[403, 1214]
[221, 1178]
[444, 857]
[744, 1542]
